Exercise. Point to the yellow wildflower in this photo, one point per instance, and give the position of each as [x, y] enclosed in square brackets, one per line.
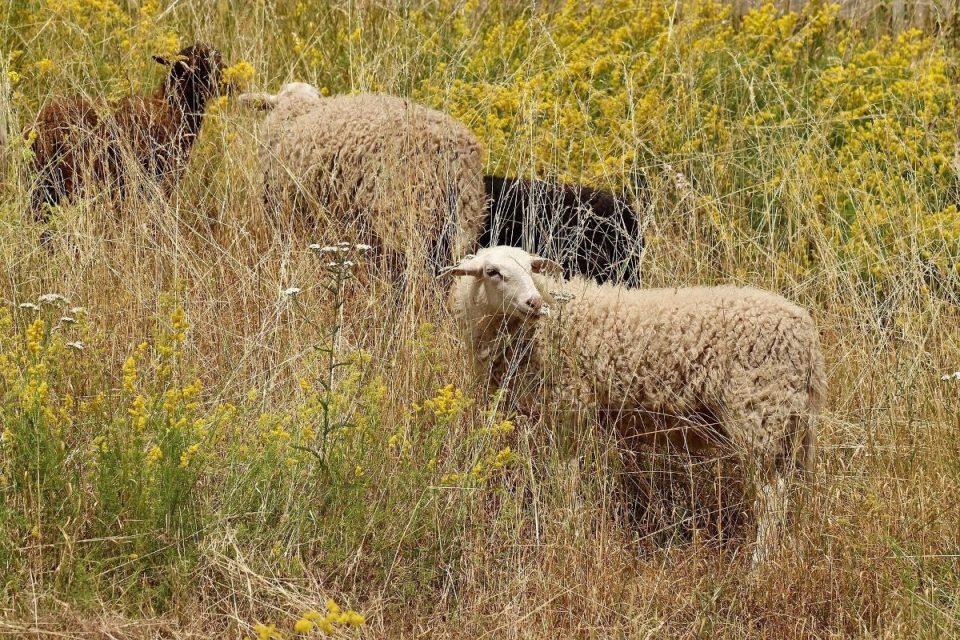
[138, 413]
[35, 334]
[179, 324]
[447, 403]
[303, 625]
[129, 374]
[267, 632]
[187, 456]
[354, 619]
[154, 455]
[325, 625]
[239, 74]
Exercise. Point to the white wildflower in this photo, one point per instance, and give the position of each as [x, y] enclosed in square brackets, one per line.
[291, 292]
[29, 305]
[53, 298]
[362, 248]
[68, 320]
[562, 296]
[78, 345]
[951, 376]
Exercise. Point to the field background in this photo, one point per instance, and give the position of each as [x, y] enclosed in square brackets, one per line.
[180, 457]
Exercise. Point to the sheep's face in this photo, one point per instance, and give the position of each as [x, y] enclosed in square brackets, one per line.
[195, 74]
[505, 283]
[298, 91]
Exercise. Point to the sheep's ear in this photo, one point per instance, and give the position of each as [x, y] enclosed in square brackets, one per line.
[175, 60]
[261, 101]
[545, 265]
[469, 266]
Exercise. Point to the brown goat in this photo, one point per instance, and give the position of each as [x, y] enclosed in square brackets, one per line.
[76, 147]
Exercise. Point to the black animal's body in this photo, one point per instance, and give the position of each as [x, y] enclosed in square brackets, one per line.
[590, 232]
[75, 145]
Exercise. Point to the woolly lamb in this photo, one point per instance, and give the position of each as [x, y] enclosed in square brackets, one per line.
[75, 143]
[404, 178]
[704, 367]
[591, 232]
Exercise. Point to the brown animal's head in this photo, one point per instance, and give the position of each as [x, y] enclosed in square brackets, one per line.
[194, 76]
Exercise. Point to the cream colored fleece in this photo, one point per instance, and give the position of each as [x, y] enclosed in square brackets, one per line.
[721, 365]
[378, 167]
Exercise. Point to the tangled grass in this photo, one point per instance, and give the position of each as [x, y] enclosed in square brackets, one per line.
[213, 428]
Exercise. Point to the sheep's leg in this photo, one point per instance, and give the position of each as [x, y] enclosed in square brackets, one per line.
[42, 198]
[770, 507]
[47, 192]
[759, 434]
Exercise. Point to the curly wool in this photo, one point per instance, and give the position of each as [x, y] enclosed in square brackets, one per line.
[709, 365]
[404, 177]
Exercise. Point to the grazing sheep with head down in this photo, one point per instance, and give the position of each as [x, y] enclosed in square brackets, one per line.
[703, 367]
[590, 232]
[402, 177]
[74, 143]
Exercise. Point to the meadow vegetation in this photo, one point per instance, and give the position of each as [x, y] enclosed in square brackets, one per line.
[210, 428]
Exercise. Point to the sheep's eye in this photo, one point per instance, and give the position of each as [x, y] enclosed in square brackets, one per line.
[492, 272]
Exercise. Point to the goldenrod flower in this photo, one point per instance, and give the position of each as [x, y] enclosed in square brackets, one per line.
[187, 456]
[129, 374]
[138, 413]
[267, 632]
[35, 335]
[447, 403]
[303, 625]
[325, 625]
[154, 455]
[179, 323]
[239, 74]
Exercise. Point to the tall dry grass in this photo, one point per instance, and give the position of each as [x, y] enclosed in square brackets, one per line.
[773, 161]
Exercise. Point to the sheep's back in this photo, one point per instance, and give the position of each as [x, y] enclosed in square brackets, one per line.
[685, 351]
[373, 160]
[66, 131]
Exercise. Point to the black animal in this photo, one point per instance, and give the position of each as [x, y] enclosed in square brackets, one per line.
[590, 232]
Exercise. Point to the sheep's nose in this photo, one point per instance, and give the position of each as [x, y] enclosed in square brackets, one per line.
[535, 302]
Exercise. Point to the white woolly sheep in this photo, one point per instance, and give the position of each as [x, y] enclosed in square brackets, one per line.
[705, 367]
[405, 178]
